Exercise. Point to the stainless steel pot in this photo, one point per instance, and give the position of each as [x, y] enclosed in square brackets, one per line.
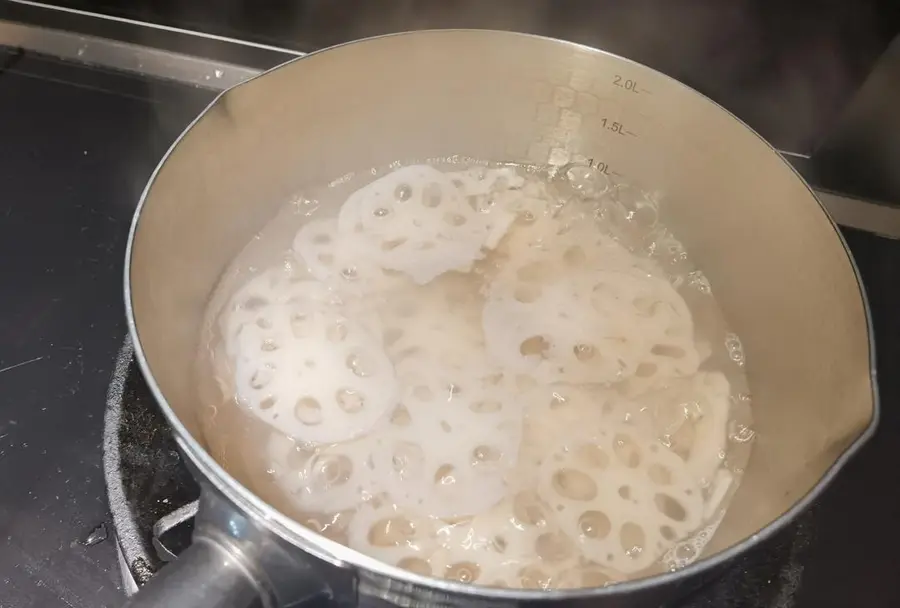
[777, 263]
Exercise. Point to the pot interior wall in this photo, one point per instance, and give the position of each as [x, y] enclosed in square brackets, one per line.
[774, 259]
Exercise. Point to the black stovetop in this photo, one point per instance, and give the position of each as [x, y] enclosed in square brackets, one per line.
[76, 146]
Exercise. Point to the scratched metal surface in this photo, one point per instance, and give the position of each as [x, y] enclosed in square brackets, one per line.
[76, 146]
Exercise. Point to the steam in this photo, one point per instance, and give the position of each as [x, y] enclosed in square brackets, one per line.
[786, 71]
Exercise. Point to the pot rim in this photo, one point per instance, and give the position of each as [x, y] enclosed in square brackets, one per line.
[343, 556]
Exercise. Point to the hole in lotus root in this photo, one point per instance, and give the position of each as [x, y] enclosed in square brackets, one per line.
[260, 379]
[553, 546]
[670, 507]
[454, 219]
[532, 577]
[528, 510]
[535, 345]
[626, 450]
[526, 294]
[391, 532]
[334, 470]
[632, 539]
[594, 525]
[625, 492]
[359, 365]
[268, 345]
[390, 245]
[486, 407]
[349, 400]
[668, 533]
[574, 485]
[645, 370]
[584, 352]
[254, 303]
[263, 323]
[403, 192]
[308, 411]
[592, 456]
[416, 565]
[400, 416]
[349, 273]
[485, 454]
[668, 350]
[444, 475]
[267, 403]
[594, 577]
[464, 572]
[405, 458]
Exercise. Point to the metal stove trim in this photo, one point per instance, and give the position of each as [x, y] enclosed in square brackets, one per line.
[125, 56]
[157, 26]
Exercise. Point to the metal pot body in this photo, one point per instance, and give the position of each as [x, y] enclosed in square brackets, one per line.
[778, 266]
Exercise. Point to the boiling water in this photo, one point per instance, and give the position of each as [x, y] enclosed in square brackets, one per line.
[509, 376]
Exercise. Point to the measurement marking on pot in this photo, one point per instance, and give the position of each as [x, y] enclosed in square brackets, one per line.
[616, 127]
[602, 167]
[629, 85]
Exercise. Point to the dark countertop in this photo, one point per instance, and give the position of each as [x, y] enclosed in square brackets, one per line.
[76, 146]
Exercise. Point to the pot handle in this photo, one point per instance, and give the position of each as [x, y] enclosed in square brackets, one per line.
[205, 575]
[233, 562]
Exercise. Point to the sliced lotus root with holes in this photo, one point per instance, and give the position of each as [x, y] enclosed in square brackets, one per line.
[592, 326]
[306, 370]
[394, 536]
[451, 450]
[420, 223]
[345, 262]
[563, 238]
[323, 479]
[625, 498]
[478, 181]
[493, 547]
[691, 415]
[546, 327]
[491, 193]
[250, 303]
[440, 321]
[551, 414]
